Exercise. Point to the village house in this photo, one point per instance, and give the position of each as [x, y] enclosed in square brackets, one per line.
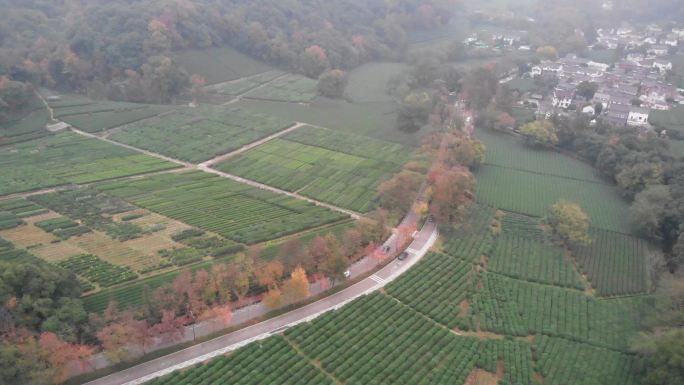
[662, 65]
[638, 116]
[659, 50]
[563, 97]
[617, 115]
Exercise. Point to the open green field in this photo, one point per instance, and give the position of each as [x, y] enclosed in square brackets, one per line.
[69, 158]
[288, 88]
[198, 134]
[510, 152]
[337, 168]
[368, 83]
[376, 120]
[533, 194]
[522, 85]
[95, 116]
[220, 64]
[239, 212]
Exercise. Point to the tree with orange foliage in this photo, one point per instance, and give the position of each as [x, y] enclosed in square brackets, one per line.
[452, 190]
[352, 242]
[273, 299]
[504, 121]
[398, 193]
[59, 355]
[117, 339]
[269, 273]
[297, 287]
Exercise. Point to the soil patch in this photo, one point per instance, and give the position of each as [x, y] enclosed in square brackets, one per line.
[481, 377]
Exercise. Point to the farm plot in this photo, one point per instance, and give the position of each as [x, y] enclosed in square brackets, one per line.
[290, 88]
[241, 86]
[513, 307]
[615, 264]
[376, 340]
[473, 237]
[9, 253]
[69, 158]
[532, 194]
[285, 367]
[331, 168]
[97, 271]
[376, 120]
[95, 116]
[532, 260]
[22, 207]
[198, 134]
[236, 211]
[132, 294]
[437, 287]
[507, 151]
[562, 362]
[516, 357]
[29, 127]
[9, 220]
[272, 248]
[220, 64]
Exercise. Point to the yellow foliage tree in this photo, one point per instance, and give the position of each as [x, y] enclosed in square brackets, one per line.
[569, 223]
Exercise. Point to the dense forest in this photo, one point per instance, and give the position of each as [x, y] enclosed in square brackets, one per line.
[124, 49]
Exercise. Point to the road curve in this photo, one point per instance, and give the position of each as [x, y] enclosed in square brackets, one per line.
[201, 352]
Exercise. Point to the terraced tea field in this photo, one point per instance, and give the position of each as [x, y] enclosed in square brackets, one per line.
[614, 263]
[29, 127]
[341, 169]
[220, 64]
[532, 194]
[198, 134]
[506, 151]
[69, 158]
[289, 88]
[239, 212]
[95, 116]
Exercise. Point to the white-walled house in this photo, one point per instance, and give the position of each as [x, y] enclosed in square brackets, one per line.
[638, 116]
[662, 65]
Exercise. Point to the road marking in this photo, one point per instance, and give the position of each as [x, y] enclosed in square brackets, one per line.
[411, 251]
[378, 279]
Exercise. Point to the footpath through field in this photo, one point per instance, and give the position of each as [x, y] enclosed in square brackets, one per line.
[142, 373]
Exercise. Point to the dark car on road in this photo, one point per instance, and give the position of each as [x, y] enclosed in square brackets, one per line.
[403, 256]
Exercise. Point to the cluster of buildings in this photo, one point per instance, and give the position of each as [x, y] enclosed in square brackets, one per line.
[498, 41]
[625, 92]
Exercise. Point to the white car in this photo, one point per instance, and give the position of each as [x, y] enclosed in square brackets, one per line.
[347, 273]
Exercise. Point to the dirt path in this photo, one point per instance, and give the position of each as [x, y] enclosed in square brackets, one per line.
[250, 146]
[262, 186]
[47, 106]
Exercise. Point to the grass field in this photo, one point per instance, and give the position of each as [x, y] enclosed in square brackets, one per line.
[522, 85]
[289, 88]
[220, 64]
[239, 212]
[337, 168]
[198, 134]
[376, 120]
[368, 83]
[68, 158]
[532, 194]
[607, 56]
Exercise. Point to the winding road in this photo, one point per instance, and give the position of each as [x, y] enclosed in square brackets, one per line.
[147, 371]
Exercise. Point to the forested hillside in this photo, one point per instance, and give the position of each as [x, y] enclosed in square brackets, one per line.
[124, 49]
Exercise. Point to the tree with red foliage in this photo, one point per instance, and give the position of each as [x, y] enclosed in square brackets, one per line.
[171, 328]
[452, 190]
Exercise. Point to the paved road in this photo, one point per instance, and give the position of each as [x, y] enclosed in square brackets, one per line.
[224, 344]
